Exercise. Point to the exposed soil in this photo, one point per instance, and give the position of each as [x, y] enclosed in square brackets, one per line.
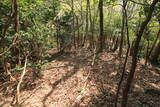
[70, 81]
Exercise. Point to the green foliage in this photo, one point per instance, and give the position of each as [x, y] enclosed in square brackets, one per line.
[40, 19]
[110, 2]
[36, 30]
[4, 12]
[64, 22]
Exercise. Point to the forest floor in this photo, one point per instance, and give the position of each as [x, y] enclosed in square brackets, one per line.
[70, 81]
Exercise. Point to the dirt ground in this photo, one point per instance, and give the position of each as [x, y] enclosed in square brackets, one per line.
[70, 81]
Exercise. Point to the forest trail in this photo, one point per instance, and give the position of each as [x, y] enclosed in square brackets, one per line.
[70, 81]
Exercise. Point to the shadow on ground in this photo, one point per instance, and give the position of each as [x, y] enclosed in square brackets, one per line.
[102, 82]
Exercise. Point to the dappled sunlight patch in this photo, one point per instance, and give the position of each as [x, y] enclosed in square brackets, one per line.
[154, 85]
[113, 74]
[138, 88]
[117, 61]
[106, 57]
[71, 80]
[111, 88]
[154, 73]
[142, 61]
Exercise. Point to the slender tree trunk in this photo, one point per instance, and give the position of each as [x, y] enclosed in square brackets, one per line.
[154, 43]
[57, 36]
[122, 30]
[91, 28]
[127, 53]
[73, 24]
[17, 26]
[101, 36]
[134, 58]
[78, 33]
[156, 53]
[115, 44]
[93, 24]
[147, 53]
[82, 29]
[86, 29]
[19, 84]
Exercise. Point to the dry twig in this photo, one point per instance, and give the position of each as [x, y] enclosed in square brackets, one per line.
[17, 96]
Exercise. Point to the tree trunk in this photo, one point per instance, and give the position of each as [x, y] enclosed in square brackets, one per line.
[122, 30]
[93, 23]
[101, 36]
[57, 37]
[115, 44]
[127, 53]
[82, 29]
[17, 26]
[155, 54]
[147, 53]
[73, 24]
[134, 58]
[91, 28]
[155, 42]
[78, 33]
[86, 29]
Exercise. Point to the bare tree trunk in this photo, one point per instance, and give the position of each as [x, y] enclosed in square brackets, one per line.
[19, 83]
[147, 53]
[86, 29]
[127, 53]
[154, 43]
[115, 44]
[78, 33]
[91, 28]
[82, 34]
[101, 36]
[57, 36]
[155, 54]
[122, 30]
[73, 24]
[93, 24]
[134, 58]
[17, 26]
